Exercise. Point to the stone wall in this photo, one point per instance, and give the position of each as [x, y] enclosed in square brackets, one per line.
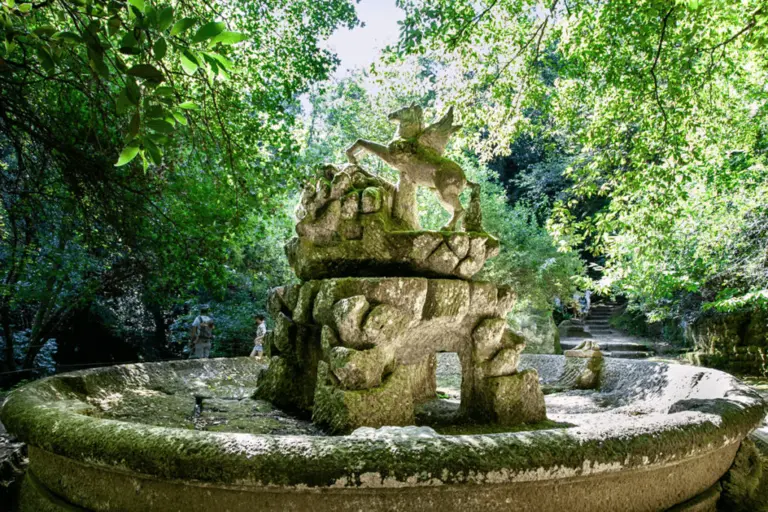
[736, 342]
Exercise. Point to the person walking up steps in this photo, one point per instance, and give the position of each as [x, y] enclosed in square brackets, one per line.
[261, 331]
[202, 334]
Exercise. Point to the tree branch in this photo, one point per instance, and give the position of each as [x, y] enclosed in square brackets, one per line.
[656, 62]
[454, 41]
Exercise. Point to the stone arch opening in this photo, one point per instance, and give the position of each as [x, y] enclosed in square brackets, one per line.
[442, 406]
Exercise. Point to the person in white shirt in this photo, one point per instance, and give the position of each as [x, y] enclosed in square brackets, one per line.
[258, 341]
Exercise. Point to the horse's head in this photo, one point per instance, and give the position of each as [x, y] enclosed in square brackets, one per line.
[410, 120]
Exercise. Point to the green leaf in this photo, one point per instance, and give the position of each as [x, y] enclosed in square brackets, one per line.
[164, 90]
[189, 105]
[160, 126]
[156, 111]
[155, 153]
[96, 60]
[147, 72]
[46, 61]
[129, 45]
[157, 138]
[139, 4]
[128, 154]
[26, 7]
[225, 62]
[44, 30]
[124, 104]
[208, 31]
[179, 116]
[182, 25]
[227, 37]
[133, 128]
[113, 25]
[68, 36]
[165, 18]
[132, 91]
[160, 48]
[189, 62]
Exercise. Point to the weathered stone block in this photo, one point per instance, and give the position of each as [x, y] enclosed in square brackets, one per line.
[349, 205]
[358, 369]
[283, 333]
[385, 323]
[340, 184]
[304, 302]
[405, 293]
[443, 260]
[507, 299]
[350, 230]
[348, 317]
[328, 340]
[342, 411]
[469, 267]
[324, 226]
[487, 338]
[517, 398]
[483, 298]
[503, 363]
[372, 200]
[424, 245]
[446, 298]
[459, 244]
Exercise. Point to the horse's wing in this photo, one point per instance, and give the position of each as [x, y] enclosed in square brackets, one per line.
[437, 134]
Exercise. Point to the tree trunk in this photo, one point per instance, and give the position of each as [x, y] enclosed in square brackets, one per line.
[160, 337]
[8, 353]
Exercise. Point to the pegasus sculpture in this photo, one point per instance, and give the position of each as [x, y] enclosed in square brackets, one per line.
[417, 153]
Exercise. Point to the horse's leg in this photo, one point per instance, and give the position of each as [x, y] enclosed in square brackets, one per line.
[450, 201]
[379, 150]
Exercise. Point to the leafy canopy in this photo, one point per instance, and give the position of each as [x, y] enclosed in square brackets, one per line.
[652, 99]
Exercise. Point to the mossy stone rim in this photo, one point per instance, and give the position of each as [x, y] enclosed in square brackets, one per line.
[48, 414]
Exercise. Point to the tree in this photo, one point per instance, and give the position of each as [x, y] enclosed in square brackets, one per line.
[653, 100]
[143, 138]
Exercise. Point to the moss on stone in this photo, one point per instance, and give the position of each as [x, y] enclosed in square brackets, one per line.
[470, 429]
[52, 417]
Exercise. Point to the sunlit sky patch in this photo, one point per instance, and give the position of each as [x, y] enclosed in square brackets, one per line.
[358, 48]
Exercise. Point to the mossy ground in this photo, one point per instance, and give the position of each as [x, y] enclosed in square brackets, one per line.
[211, 414]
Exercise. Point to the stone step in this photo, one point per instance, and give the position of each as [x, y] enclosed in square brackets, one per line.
[609, 346]
[628, 354]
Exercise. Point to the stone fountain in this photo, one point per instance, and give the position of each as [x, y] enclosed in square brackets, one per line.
[336, 421]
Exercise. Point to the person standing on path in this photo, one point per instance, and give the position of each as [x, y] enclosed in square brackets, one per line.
[261, 331]
[202, 334]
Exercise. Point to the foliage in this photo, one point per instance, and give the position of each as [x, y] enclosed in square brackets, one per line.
[660, 107]
[201, 128]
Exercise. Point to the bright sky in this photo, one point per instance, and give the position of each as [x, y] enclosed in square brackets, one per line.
[358, 48]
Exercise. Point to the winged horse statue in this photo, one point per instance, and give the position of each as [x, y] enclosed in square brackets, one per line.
[417, 153]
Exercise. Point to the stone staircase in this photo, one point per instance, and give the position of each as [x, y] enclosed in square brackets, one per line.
[596, 327]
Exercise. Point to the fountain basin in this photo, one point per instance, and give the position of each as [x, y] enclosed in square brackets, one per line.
[652, 437]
